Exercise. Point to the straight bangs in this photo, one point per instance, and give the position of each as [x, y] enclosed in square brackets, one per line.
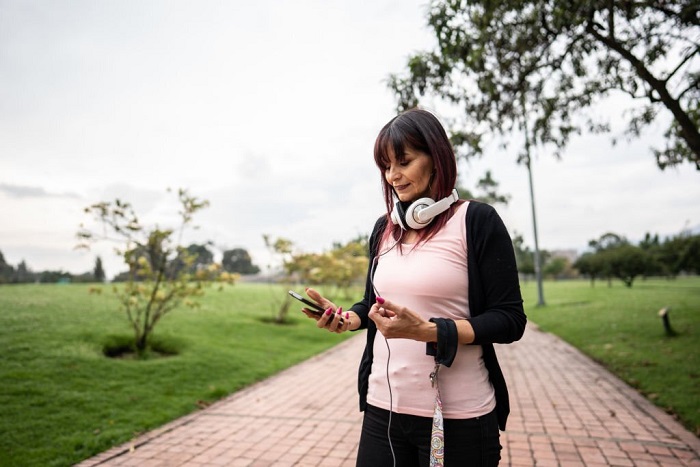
[395, 138]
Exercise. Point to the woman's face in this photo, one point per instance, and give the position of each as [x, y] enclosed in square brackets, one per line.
[411, 177]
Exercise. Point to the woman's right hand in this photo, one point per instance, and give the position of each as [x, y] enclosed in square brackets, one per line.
[331, 318]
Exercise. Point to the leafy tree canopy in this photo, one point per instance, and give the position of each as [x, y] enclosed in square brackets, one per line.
[192, 259]
[607, 241]
[612, 255]
[239, 260]
[535, 66]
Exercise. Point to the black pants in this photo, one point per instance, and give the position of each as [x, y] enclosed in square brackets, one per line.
[470, 442]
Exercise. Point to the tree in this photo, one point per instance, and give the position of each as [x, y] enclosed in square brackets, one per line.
[591, 265]
[531, 67]
[523, 256]
[599, 263]
[691, 255]
[347, 264]
[341, 267]
[154, 286]
[487, 191]
[99, 272]
[202, 257]
[614, 256]
[557, 268]
[652, 247]
[281, 248]
[606, 241]
[23, 274]
[626, 262]
[53, 277]
[681, 254]
[536, 66]
[239, 260]
[6, 270]
[192, 259]
[84, 278]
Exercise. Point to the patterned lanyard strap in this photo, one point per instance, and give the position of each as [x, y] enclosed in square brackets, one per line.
[437, 438]
[444, 351]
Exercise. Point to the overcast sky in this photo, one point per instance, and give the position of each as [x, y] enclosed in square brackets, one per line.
[269, 110]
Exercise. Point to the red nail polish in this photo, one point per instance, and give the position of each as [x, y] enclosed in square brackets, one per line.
[340, 310]
[380, 300]
[347, 315]
[329, 311]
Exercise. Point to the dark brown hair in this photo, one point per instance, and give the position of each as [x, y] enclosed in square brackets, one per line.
[419, 130]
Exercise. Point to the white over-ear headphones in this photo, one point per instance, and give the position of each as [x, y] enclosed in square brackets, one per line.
[420, 212]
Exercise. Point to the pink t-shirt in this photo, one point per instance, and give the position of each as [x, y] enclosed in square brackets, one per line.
[432, 281]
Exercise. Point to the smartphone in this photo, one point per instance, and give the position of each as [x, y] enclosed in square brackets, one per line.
[315, 308]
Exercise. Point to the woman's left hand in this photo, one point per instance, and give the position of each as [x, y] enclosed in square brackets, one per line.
[396, 321]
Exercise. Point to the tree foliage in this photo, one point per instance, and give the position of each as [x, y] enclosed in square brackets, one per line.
[194, 258]
[238, 260]
[281, 250]
[160, 274]
[23, 274]
[99, 272]
[6, 270]
[487, 191]
[557, 267]
[341, 267]
[536, 66]
[625, 262]
[524, 257]
[677, 255]
[613, 256]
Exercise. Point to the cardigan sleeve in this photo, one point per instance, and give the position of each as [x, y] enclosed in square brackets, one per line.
[495, 302]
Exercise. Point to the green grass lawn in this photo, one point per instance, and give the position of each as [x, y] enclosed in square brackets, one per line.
[62, 401]
[620, 328]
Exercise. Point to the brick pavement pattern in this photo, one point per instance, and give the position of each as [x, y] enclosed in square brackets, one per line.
[566, 411]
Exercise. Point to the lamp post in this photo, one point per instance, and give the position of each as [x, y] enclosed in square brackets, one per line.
[528, 164]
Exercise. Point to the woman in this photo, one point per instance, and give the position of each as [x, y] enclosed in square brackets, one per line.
[442, 288]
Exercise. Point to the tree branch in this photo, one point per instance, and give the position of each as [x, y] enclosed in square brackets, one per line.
[685, 60]
[689, 16]
[689, 131]
[694, 84]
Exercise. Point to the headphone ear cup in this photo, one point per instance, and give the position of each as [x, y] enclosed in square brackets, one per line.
[411, 215]
[398, 215]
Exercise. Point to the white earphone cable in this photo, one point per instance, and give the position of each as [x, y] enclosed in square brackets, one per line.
[388, 349]
[391, 403]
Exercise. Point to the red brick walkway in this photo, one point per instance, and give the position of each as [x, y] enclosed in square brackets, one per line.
[566, 411]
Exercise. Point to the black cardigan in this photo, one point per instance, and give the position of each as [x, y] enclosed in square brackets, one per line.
[495, 303]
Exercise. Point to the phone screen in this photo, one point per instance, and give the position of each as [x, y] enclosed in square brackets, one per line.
[313, 306]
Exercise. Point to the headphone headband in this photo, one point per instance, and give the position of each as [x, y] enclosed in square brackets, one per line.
[429, 212]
